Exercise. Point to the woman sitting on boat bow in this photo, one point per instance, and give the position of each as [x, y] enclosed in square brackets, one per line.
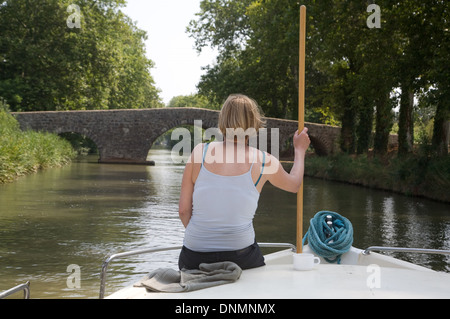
[221, 185]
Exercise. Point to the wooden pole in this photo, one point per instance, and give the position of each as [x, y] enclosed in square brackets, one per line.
[301, 120]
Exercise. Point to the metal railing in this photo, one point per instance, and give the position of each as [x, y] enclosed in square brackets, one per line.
[159, 249]
[406, 250]
[25, 287]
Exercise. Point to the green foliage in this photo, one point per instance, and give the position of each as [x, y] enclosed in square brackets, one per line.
[25, 152]
[193, 100]
[413, 175]
[352, 70]
[81, 144]
[256, 57]
[48, 64]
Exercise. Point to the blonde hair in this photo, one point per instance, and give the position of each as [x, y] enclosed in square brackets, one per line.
[240, 112]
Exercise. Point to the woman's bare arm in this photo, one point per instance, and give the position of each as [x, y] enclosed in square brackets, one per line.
[292, 181]
[187, 184]
[187, 189]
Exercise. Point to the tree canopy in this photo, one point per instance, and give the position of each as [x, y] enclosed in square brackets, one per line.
[192, 100]
[71, 55]
[363, 62]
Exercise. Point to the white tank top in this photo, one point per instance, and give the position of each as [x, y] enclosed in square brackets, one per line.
[222, 212]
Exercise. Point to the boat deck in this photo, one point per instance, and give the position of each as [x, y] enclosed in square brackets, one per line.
[373, 276]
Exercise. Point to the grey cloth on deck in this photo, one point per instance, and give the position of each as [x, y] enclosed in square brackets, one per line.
[209, 275]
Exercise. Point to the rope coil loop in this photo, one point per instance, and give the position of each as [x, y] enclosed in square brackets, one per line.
[329, 242]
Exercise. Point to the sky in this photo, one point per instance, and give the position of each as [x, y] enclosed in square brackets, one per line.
[177, 68]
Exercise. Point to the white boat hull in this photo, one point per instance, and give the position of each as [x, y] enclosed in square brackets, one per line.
[358, 276]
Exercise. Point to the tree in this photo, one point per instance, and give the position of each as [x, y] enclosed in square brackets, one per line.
[406, 17]
[437, 25]
[258, 56]
[354, 66]
[56, 56]
[193, 100]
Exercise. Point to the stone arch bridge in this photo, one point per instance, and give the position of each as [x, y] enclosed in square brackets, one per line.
[126, 136]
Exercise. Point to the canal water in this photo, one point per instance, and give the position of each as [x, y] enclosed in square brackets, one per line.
[57, 226]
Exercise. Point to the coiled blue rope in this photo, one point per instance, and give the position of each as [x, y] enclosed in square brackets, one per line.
[329, 243]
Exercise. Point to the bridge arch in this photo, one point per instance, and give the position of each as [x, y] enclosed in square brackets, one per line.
[177, 123]
[72, 128]
[80, 142]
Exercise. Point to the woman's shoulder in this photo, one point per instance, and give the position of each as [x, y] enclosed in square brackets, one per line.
[261, 155]
[197, 153]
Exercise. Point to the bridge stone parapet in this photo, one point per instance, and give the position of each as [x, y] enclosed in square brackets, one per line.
[126, 136]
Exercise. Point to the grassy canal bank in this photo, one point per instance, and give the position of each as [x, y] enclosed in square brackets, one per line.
[23, 153]
[414, 175]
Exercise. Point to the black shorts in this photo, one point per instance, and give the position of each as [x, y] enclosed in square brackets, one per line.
[250, 257]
